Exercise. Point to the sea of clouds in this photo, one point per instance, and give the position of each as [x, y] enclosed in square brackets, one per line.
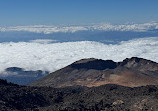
[49, 56]
[74, 28]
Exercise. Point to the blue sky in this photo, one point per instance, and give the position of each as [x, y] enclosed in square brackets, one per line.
[53, 12]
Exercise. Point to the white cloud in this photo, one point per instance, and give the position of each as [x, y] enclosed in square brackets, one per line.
[104, 26]
[7, 73]
[43, 41]
[44, 29]
[51, 57]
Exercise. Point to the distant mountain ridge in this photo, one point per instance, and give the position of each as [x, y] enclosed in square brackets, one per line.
[91, 72]
[20, 76]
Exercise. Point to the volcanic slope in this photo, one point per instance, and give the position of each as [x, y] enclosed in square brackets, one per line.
[103, 98]
[131, 72]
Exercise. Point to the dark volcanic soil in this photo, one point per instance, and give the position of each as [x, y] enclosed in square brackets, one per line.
[102, 98]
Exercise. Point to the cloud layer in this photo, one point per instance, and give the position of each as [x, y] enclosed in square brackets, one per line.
[104, 27]
[53, 56]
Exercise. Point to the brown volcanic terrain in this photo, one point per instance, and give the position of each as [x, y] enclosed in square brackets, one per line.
[130, 72]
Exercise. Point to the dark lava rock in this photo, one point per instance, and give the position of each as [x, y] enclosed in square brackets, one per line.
[103, 98]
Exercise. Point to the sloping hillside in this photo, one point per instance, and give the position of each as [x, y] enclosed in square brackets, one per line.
[91, 72]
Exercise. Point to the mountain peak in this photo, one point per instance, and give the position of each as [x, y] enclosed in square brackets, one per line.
[139, 64]
[93, 63]
[85, 60]
[95, 72]
[14, 69]
[137, 60]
